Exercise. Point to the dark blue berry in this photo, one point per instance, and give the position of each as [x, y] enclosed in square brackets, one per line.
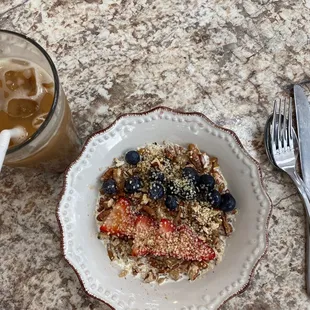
[109, 187]
[172, 188]
[191, 174]
[214, 198]
[228, 202]
[132, 157]
[206, 182]
[133, 185]
[171, 203]
[156, 191]
[156, 176]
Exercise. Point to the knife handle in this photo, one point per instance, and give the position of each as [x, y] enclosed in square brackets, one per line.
[308, 256]
[305, 194]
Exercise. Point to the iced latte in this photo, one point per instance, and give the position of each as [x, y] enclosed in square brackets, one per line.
[31, 97]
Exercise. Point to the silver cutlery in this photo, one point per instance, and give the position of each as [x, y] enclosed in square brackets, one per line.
[283, 150]
[303, 126]
[267, 140]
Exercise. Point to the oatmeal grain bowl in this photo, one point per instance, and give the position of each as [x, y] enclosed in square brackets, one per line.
[164, 210]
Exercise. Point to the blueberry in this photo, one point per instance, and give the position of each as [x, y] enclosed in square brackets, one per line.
[109, 187]
[214, 198]
[156, 191]
[132, 157]
[171, 203]
[206, 182]
[133, 185]
[173, 188]
[156, 176]
[228, 202]
[191, 174]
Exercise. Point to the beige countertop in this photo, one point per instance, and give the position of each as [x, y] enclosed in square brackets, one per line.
[227, 59]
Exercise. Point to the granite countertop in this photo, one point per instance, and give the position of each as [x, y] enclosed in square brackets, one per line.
[227, 59]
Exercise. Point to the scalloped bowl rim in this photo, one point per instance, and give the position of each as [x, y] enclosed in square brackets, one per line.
[196, 123]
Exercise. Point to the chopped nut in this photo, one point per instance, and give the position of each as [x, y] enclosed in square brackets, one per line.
[178, 149]
[173, 263]
[177, 219]
[158, 164]
[205, 160]
[184, 267]
[123, 273]
[149, 211]
[195, 160]
[101, 217]
[175, 274]
[119, 178]
[193, 148]
[145, 199]
[227, 227]
[161, 280]
[105, 205]
[135, 270]
[170, 152]
[110, 203]
[150, 277]
[214, 163]
[193, 272]
[102, 201]
[110, 252]
[118, 163]
[194, 157]
[221, 188]
[107, 175]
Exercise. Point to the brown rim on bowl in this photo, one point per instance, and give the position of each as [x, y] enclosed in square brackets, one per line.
[175, 111]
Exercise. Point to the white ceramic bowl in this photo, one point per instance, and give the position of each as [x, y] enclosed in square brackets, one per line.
[87, 255]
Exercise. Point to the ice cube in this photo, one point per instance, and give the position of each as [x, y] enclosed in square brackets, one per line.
[22, 108]
[22, 80]
[20, 62]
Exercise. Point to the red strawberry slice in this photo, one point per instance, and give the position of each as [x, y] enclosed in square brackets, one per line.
[120, 221]
[143, 223]
[166, 226]
[191, 247]
[145, 234]
[167, 240]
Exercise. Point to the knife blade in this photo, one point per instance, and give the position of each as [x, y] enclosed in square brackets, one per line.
[302, 109]
[303, 128]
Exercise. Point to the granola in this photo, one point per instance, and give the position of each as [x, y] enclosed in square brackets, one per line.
[165, 212]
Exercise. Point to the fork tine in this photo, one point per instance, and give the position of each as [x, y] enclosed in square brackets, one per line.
[290, 126]
[279, 126]
[273, 124]
[284, 129]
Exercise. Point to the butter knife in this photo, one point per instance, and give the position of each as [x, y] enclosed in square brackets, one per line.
[302, 109]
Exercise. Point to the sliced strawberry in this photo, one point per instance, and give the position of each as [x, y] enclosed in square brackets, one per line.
[145, 233]
[166, 226]
[120, 221]
[143, 223]
[124, 202]
[167, 240]
[191, 247]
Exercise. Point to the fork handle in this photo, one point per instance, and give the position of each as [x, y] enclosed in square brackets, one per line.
[305, 194]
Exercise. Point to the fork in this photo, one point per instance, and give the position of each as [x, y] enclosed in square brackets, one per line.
[283, 151]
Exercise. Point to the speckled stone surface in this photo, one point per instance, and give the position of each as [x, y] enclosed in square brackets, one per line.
[227, 59]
